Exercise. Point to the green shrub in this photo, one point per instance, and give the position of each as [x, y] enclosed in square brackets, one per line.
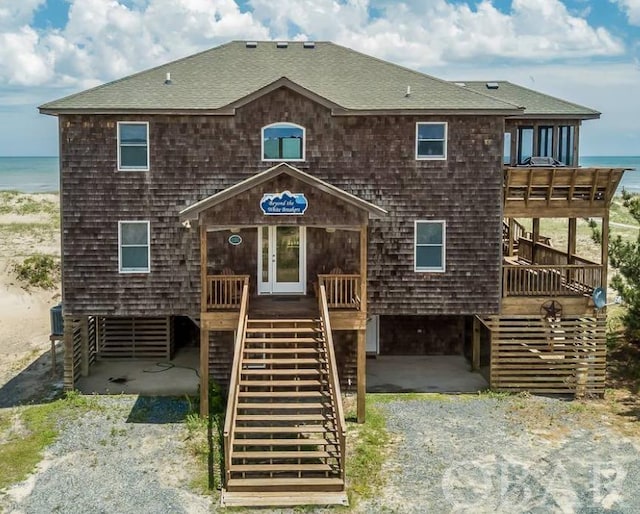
[38, 271]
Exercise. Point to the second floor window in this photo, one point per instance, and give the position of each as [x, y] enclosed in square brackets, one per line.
[545, 142]
[431, 140]
[525, 143]
[283, 142]
[565, 144]
[133, 146]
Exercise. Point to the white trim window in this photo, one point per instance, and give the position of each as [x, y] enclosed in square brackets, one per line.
[429, 245]
[134, 249]
[133, 146]
[283, 142]
[431, 140]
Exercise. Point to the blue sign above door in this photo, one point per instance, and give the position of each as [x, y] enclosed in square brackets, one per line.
[283, 204]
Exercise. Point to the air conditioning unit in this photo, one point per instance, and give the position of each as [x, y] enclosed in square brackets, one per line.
[57, 321]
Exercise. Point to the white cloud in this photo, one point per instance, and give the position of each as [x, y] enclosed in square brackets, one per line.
[631, 9]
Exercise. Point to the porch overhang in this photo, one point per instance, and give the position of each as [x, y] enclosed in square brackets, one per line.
[572, 192]
[193, 211]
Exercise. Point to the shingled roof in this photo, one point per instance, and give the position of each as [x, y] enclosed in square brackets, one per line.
[534, 102]
[220, 79]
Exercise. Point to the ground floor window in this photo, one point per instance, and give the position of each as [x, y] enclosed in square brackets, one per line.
[133, 246]
[429, 245]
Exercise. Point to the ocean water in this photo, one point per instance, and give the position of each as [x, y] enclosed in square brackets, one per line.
[41, 174]
[30, 174]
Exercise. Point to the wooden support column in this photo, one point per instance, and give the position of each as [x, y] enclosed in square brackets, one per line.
[512, 227]
[362, 334]
[84, 346]
[604, 256]
[69, 371]
[204, 333]
[571, 240]
[475, 350]
[534, 236]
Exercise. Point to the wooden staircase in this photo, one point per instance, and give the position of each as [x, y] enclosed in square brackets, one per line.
[285, 440]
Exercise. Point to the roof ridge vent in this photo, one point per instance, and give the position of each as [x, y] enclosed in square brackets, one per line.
[251, 44]
[309, 44]
[492, 85]
[282, 44]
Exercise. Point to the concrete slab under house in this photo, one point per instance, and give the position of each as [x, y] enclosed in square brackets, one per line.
[277, 216]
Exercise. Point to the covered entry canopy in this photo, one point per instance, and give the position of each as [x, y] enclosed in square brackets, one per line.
[326, 203]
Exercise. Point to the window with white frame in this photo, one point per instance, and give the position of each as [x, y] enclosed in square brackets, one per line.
[283, 142]
[134, 250]
[430, 239]
[431, 140]
[133, 145]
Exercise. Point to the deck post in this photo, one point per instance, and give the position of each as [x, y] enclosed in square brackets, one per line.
[362, 375]
[204, 332]
[69, 371]
[362, 334]
[475, 350]
[604, 257]
[512, 227]
[534, 239]
[571, 243]
[84, 346]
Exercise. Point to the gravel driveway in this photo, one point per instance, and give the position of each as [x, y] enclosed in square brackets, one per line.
[127, 457]
[462, 454]
[506, 455]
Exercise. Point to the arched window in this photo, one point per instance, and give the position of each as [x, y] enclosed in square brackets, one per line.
[283, 142]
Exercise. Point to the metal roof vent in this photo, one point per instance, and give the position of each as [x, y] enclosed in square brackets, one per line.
[492, 85]
[167, 80]
[308, 44]
[251, 44]
[461, 84]
[282, 44]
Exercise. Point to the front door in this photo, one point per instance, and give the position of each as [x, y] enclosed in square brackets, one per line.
[281, 260]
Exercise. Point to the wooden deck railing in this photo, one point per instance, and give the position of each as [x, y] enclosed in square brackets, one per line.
[342, 290]
[550, 280]
[225, 291]
[334, 382]
[548, 255]
[234, 382]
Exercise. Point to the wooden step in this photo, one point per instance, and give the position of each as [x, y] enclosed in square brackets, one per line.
[282, 340]
[276, 406]
[282, 498]
[293, 454]
[300, 429]
[255, 321]
[283, 442]
[281, 417]
[281, 383]
[283, 394]
[285, 484]
[284, 330]
[283, 351]
[296, 468]
[281, 371]
[284, 361]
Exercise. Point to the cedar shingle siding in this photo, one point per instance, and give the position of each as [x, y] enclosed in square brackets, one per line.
[193, 157]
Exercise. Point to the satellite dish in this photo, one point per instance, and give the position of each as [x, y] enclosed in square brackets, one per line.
[599, 297]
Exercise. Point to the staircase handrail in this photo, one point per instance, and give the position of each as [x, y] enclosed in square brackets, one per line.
[334, 382]
[234, 382]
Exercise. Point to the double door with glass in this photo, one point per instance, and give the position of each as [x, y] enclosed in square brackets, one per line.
[281, 260]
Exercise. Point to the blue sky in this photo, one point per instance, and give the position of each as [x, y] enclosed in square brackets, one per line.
[586, 51]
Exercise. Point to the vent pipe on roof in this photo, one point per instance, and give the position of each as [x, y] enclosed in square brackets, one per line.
[408, 93]
[282, 44]
[251, 44]
[167, 80]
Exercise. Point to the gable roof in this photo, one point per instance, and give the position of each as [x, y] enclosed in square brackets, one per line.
[214, 80]
[283, 168]
[534, 103]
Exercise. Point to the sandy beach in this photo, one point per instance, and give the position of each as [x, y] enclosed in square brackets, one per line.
[29, 224]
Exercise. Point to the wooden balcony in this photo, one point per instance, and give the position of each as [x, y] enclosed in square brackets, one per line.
[540, 273]
[537, 192]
